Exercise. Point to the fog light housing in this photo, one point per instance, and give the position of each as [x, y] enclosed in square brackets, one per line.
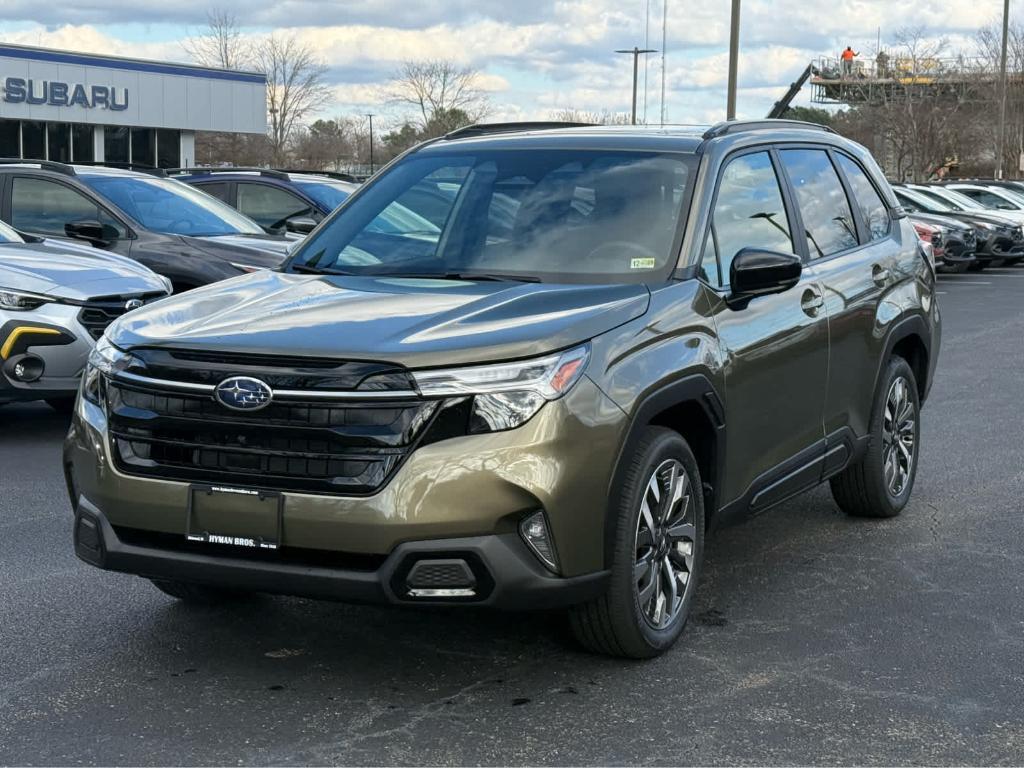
[537, 535]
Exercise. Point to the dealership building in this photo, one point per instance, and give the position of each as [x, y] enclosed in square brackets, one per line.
[77, 107]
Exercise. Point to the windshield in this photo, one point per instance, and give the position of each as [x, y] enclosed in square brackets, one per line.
[957, 200]
[327, 195]
[923, 202]
[8, 235]
[172, 207]
[555, 215]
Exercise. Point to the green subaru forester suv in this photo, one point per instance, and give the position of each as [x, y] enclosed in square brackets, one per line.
[526, 366]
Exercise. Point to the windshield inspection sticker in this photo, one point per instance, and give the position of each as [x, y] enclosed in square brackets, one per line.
[642, 263]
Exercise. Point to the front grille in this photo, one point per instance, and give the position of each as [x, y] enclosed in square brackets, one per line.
[97, 314]
[349, 447]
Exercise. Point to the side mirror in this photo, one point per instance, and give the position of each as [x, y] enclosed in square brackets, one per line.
[93, 231]
[756, 272]
[301, 224]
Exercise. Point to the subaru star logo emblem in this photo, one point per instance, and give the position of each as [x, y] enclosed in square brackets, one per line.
[241, 393]
[133, 304]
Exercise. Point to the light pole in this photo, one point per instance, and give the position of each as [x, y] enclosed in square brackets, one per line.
[370, 116]
[636, 60]
[1001, 128]
[734, 56]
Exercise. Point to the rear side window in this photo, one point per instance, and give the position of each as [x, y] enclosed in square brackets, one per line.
[872, 209]
[218, 189]
[269, 206]
[828, 220]
[44, 207]
[749, 212]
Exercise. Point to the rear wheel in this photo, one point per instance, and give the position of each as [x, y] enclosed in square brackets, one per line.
[879, 485]
[958, 268]
[977, 266]
[199, 594]
[659, 544]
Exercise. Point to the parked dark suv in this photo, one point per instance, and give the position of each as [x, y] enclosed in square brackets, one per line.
[616, 341]
[295, 201]
[188, 237]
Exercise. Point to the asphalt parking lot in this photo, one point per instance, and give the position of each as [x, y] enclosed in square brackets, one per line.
[817, 638]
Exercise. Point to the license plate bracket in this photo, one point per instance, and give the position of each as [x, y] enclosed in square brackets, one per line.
[226, 519]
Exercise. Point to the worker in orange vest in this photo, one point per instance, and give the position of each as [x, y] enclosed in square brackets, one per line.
[847, 57]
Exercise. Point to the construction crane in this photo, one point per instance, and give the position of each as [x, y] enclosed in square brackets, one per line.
[782, 104]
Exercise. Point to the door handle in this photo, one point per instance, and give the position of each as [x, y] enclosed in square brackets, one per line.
[880, 275]
[811, 301]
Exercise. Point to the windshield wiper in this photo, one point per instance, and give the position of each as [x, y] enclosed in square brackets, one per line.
[480, 276]
[308, 270]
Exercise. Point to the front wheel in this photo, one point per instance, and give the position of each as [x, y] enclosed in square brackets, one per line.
[658, 548]
[879, 485]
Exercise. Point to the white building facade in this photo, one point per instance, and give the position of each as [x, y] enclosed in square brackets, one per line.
[77, 107]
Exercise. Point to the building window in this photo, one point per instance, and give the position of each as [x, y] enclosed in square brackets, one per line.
[115, 145]
[168, 148]
[144, 146]
[33, 139]
[82, 148]
[58, 142]
[10, 138]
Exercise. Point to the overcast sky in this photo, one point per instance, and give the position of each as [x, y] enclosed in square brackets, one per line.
[537, 56]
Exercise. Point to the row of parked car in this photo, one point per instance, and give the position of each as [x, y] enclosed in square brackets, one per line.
[82, 244]
[970, 224]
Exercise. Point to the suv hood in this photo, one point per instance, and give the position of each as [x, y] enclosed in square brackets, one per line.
[73, 273]
[411, 322]
[267, 251]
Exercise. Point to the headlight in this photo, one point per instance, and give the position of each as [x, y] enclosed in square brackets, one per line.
[105, 359]
[22, 301]
[507, 395]
[984, 226]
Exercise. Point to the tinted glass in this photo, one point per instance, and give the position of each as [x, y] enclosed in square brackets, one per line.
[828, 220]
[58, 142]
[44, 207]
[144, 146]
[327, 195]
[872, 209]
[115, 144]
[913, 201]
[749, 213]
[33, 139]
[168, 148]
[269, 206]
[989, 199]
[558, 215]
[218, 189]
[82, 142]
[171, 207]
[10, 142]
[952, 198]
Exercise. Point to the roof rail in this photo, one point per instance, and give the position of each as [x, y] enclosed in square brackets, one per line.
[205, 170]
[740, 126]
[338, 175]
[484, 129]
[140, 167]
[46, 165]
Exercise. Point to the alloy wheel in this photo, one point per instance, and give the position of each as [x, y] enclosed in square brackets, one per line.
[899, 435]
[666, 539]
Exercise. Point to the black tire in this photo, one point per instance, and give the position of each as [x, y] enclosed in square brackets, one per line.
[864, 489]
[616, 623]
[958, 268]
[199, 594]
[64, 405]
[977, 266]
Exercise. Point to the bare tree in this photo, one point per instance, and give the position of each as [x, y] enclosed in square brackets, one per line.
[295, 85]
[604, 117]
[438, 89]
[221, 45]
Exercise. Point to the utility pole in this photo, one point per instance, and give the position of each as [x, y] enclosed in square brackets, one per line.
[1001, 128]
[734, 56]
[636, 68]
[371, 143]
[664, 49]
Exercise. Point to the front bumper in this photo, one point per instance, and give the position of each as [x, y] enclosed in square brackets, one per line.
[506, 575]
[465, 492]
[53, 334]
